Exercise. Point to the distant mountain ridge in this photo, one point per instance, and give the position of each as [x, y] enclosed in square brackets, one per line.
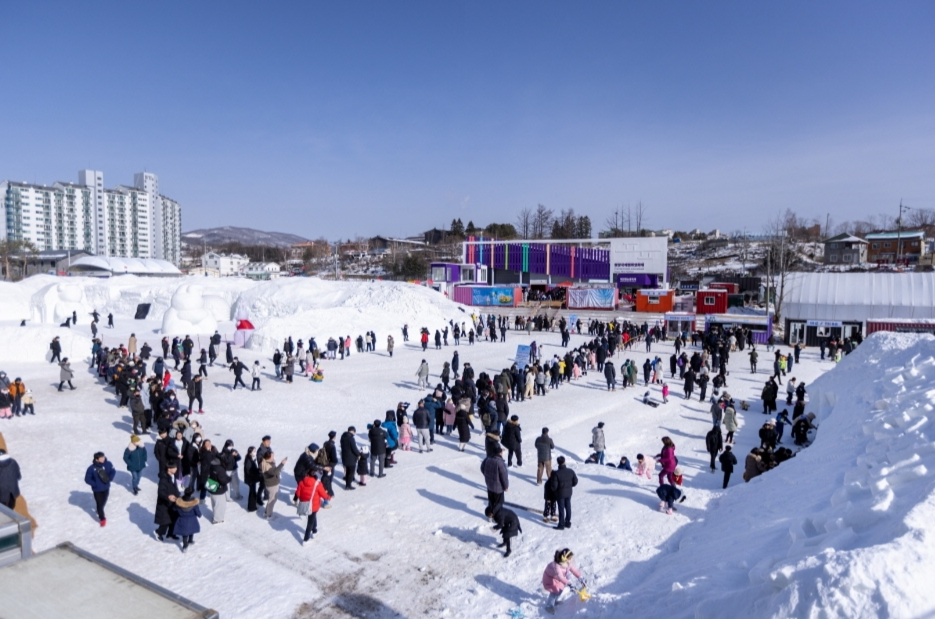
[244, 236]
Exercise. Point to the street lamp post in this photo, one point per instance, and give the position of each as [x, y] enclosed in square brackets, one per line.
[899, 230]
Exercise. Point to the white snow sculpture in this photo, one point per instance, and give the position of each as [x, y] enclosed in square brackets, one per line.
[219, 307]
[56, 302]
[188, 314]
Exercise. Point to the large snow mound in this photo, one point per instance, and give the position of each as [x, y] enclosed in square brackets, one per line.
[842, 530]
[31, 344]
[310, 307]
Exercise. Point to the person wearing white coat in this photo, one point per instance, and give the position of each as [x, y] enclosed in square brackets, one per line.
[597, 441]
[255, 373]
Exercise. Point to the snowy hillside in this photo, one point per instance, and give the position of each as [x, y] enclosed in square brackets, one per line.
[843, 530]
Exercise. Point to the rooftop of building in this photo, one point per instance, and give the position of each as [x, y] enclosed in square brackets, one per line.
[905, 234]
[845, 238]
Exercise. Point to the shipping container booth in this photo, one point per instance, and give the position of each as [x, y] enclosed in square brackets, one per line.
[761, 327]
[489, 296]
[711, 301]
[655, 301]
[901, 325]
[730, 287]
[811, 332]
[679, 322]
[453, 273]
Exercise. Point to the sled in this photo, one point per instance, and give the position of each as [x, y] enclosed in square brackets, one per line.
[652, 403]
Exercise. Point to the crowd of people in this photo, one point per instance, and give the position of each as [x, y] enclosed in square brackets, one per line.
[464, 404]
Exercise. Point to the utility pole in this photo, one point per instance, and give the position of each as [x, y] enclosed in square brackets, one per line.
[899, 230]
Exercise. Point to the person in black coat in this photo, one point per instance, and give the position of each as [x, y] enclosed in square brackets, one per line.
[377, 436]
[350, 454]
[252, 477]
[714, 442]
[512, 440]
[562, 482]
[610, 374]
[166, 496]
[768, 436]
[463, 424]
[238, 368]
[728, 462]
[10, 477]
[508, 525]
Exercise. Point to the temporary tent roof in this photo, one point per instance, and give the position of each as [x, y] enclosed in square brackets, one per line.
[859, 296]
[102, 265]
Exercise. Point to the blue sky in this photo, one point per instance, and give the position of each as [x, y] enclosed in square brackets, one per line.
[338, 119]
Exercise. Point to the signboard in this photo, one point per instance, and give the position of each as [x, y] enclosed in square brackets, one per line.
[492, 296]
[654, 293]
[639, 255]
[825, 323]
[636, 280]
[572, 319]
[689, 285]
[592, 298]
[522, 355]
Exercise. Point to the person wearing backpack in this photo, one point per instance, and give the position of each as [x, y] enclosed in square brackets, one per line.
[544, 447]
[98, 476]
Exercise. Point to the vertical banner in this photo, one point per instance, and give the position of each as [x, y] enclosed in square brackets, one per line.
[522, 355]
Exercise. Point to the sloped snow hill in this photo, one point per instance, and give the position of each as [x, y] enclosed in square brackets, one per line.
[845, 529]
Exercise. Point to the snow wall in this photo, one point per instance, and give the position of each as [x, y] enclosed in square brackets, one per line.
[841, 530]
[31, 344]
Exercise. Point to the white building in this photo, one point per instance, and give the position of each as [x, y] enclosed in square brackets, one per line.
[124, 222]
[262, 270]
[166, 216]
[226, 266]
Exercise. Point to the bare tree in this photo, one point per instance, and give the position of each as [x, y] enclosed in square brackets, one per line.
[524, 222]
[541, 222]
[618, 223]
[639, 215]
[920, 218]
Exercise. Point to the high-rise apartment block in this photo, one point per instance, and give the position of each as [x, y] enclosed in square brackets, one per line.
[125, 222]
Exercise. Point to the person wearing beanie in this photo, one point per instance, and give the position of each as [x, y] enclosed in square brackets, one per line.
[597, 442]
[134, 456]
[303, 466]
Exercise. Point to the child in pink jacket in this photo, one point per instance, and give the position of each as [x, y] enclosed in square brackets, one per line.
[405, 434]
[555, 578]
[645, 466]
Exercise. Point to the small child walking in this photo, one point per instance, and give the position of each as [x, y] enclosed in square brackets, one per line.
[363, 465]
[555, 577]
[187, 524]
[665, 393]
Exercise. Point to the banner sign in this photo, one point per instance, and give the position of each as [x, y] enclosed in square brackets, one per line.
[824, 323]
[598, 298]
[522, 355]
[492, 296]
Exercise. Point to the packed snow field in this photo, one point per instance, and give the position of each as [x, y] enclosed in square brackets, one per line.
[841, 530]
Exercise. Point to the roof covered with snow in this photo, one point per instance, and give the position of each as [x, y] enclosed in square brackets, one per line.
[859, 296]
[121, 266]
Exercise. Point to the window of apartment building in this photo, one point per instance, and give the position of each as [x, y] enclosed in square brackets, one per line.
[847, 257]
[834, 257]
[875, 246]
[886, 245]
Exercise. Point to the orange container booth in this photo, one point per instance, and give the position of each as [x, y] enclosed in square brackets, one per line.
[657, 301]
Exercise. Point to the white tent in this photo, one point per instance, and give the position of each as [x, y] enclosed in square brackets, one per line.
[858, 296]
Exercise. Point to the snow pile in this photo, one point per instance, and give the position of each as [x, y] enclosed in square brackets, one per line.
[189, 313]
[839, 531]
[31, 344]
[310, 307]
[15, 305]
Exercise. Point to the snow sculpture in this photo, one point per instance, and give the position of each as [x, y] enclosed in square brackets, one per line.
[219, 307]
[56, 302]
[188, 314]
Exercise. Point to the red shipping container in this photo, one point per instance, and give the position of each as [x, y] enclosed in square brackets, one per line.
[711, 301]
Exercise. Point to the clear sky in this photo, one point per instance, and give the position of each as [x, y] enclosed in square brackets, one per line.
[344, 118]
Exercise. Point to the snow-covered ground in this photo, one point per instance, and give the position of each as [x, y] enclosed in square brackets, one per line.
[839, 531]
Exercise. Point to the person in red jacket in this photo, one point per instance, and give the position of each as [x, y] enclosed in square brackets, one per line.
[312, 497]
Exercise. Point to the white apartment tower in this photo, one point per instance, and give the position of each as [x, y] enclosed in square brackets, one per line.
[166, 216]
[120, 222]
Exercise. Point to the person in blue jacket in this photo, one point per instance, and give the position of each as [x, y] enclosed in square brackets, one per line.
[187, 524]
[135, 458]
[99, 476]
[392, 438]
